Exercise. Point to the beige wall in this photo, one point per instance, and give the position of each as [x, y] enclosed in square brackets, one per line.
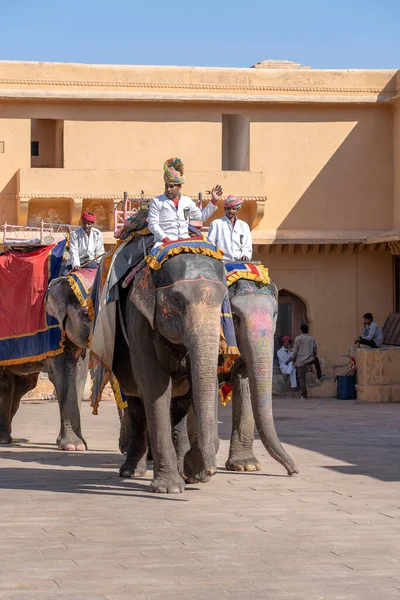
[337, 288]
[143, 138]
[16, 135]
[326, 167]
[396, 167]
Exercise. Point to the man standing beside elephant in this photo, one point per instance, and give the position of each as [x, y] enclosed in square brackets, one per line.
[169, 213]
[231, 234]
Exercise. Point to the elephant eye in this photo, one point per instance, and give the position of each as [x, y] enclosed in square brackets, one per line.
[85, 316]
[177, 302]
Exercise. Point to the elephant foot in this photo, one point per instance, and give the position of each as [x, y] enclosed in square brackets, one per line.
[243, 464]
[71, 444]
[193, 467]
[5, 438]
[133, 469]
[163, 484]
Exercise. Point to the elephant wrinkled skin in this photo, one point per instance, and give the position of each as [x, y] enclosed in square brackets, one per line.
[67, 371]
[172, 322]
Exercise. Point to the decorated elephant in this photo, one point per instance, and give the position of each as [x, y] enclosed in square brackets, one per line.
[67, 371]
[254, 308]
[171, 320]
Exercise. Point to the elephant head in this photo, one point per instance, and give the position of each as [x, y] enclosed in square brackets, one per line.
[183, 305]
[65, 307]
[255, 309]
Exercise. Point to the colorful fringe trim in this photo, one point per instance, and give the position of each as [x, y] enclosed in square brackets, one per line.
[162, 253]
[236, 271]
[225, 393]
[81, 292]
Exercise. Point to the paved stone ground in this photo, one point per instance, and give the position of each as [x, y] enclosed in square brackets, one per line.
[72, 529]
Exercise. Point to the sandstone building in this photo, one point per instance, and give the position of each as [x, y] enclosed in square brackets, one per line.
[314, 153]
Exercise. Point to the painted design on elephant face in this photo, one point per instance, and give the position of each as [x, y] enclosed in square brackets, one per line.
[262, 330]
[205, 295]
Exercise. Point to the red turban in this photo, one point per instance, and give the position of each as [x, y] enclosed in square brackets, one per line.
[88, 217]
[233, 202]
[286, 339]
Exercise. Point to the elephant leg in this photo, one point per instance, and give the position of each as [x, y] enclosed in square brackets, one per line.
[196, 458]
[135, 462]
[68, 375]
[241, 456]
[155, 389]
[179, 416]
[22, 385]
[7, 386]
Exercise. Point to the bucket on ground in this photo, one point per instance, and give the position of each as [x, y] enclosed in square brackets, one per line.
[346, 387]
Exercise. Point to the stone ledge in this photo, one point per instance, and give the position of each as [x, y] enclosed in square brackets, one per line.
[384, 394]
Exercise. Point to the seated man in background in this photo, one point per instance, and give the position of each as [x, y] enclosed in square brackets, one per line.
[372, 335]
[85, 243]
[286, 366]
[231, 234]
[305, 354]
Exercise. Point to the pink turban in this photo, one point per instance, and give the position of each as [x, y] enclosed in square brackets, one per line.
[88, 217]
[286, 339]
[233, 202]
[173, 171]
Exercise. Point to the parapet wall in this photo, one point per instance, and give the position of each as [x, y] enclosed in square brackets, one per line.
[378, 374]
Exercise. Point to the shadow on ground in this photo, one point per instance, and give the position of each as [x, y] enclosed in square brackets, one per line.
[366, 436]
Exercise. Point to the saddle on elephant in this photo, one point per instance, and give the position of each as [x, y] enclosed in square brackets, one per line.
[235, 271]
[28, 332]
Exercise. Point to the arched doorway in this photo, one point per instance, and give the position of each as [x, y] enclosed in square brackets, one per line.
[292, 312]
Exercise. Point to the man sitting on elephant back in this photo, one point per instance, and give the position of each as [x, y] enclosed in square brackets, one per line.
[231, 234]
[85, 244]
[169, 213]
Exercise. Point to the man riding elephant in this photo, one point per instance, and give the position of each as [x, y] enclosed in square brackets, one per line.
[255, 307]
[169, 213]
[231, 234]
[175, 304]
[85, 244]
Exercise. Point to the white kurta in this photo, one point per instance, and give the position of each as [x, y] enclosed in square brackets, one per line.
[283, 356]
[83, 246]
[235, 240]
[167, 221]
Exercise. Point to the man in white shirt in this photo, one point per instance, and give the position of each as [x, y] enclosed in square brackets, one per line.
[230, 234]
[285, 360]
[169, 213]
[85, 243]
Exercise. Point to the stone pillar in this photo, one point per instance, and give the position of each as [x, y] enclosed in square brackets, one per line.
[22, 209]
[76, 210]
[239, 143]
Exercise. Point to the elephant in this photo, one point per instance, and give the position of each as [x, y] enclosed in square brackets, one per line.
[67, 371]
[167, 346]
[254, 310]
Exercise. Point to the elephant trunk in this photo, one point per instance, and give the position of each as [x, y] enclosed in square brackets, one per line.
[202, 341]
[258, 356]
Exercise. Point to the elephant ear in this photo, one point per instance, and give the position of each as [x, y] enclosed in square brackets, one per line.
[143, 294]
[57, 294]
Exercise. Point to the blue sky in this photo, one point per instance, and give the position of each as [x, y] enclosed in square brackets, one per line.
[328, 34]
